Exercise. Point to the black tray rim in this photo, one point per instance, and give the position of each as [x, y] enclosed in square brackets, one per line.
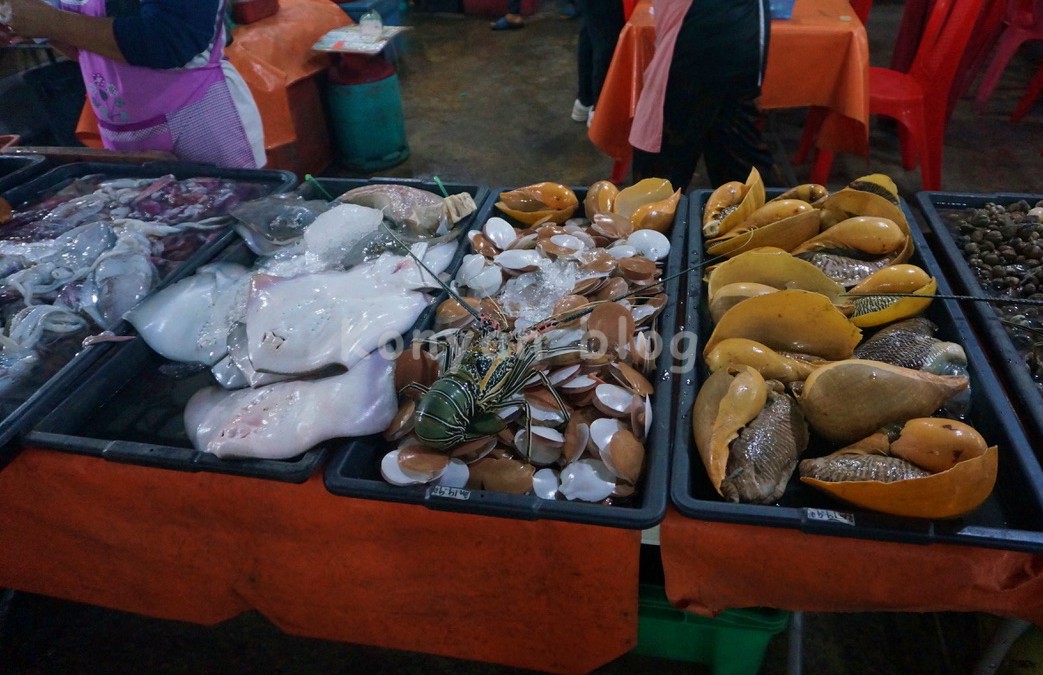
[26, 168]
[50, 394]
[841, 520]
[529, 507]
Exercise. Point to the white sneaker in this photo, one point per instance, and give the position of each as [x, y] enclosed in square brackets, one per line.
[590, 117]
[580, 112]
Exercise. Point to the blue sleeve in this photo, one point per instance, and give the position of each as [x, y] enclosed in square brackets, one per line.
[166, 33]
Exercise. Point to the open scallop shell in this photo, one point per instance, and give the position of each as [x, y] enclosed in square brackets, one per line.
[540, 202]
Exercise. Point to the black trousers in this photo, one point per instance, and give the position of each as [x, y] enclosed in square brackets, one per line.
[601, 21]
[710, 107]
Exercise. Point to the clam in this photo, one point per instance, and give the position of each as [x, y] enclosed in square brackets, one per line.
[470, 266]
[850, 399]
[876, 308]
[786, 234]
[612, 325]
[598, 261]
[402, 422]
[481, 244]
[501, 233]
[519, 260]
[475, 450]
[525, 242]
[587, 480]
[452, 314]
[579, 385]
[577, 436]
[722, 213]
[412, 465]
[649, 243]
[568, 304]
[563, 375]
[601, 198]
[948, 494]
[772, 267]
[622, 251]
[629, 377]
[612, 225]
[415, 365]
[487, 282]
[611, 289]
[601, 432]
[502, 475]
[545, 484]
[624, 456]
[790, 321]
[643, 192]
[657, 216]
[540, 445]
[645, 351]
[637, 268]
[456, 474]
[766, 361]
[613, 400]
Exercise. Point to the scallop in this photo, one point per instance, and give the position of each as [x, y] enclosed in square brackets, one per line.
[487, 282]
[563, 375]
[519, 260]
[651, 244]
[545, 484]
[602, 430]
[455, 475]
[568, 241]
[613, 400]
[587, 480]
[471, 266]
[624, 456]
[499, 232]
[482, 245]
[412, 465]
[622, 251]
[540, 445]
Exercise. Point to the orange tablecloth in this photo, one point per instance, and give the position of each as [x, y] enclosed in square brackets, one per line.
[204, 547]
[710, 567]
[820, 57]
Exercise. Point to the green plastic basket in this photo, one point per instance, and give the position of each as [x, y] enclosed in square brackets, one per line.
[733, 643]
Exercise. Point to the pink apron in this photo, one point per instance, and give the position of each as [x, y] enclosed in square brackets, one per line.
[187, 111]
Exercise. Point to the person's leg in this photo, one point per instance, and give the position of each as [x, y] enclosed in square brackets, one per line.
[584, 60]
[603, 26]
[512, 19]
[736, 144]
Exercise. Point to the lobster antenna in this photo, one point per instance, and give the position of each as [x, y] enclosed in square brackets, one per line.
[1014, 324]
[962, 298]
[445, 287]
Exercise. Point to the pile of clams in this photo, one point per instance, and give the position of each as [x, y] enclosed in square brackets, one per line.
[585, 290]
[790, 357]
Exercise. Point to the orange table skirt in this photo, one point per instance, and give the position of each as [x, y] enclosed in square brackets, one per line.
[710, 567]
[820, 57]
[204, 547]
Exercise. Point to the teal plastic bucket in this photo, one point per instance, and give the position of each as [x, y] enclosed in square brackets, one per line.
[369, 131]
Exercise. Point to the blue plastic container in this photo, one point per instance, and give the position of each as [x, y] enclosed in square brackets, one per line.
[782, 9]
[365, 114]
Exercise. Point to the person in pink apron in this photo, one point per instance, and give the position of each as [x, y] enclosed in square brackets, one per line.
[199, 109]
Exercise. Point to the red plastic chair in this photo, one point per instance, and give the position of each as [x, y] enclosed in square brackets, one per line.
[1025, 104]
[1023, 23]
[917, 100]
[816, 114]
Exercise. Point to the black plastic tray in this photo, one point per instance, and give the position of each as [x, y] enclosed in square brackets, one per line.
[354, 471]
[17, 169]
[131, 411]
[19, 413]
[1011, 518]
[997, 344]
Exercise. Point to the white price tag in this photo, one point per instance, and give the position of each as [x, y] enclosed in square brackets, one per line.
[449, 492]
[831, 516]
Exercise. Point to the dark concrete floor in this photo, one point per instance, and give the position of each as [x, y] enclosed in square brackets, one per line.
[493, 108]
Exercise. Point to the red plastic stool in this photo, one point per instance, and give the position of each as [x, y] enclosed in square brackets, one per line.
[1023, 22]
[1031, 94]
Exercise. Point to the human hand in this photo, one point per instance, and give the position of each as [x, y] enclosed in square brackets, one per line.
[28, 18]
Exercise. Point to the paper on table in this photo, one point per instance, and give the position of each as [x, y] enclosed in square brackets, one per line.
[350, 40]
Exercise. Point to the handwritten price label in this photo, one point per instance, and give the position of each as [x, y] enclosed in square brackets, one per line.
[829, 516]
[449, 492]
